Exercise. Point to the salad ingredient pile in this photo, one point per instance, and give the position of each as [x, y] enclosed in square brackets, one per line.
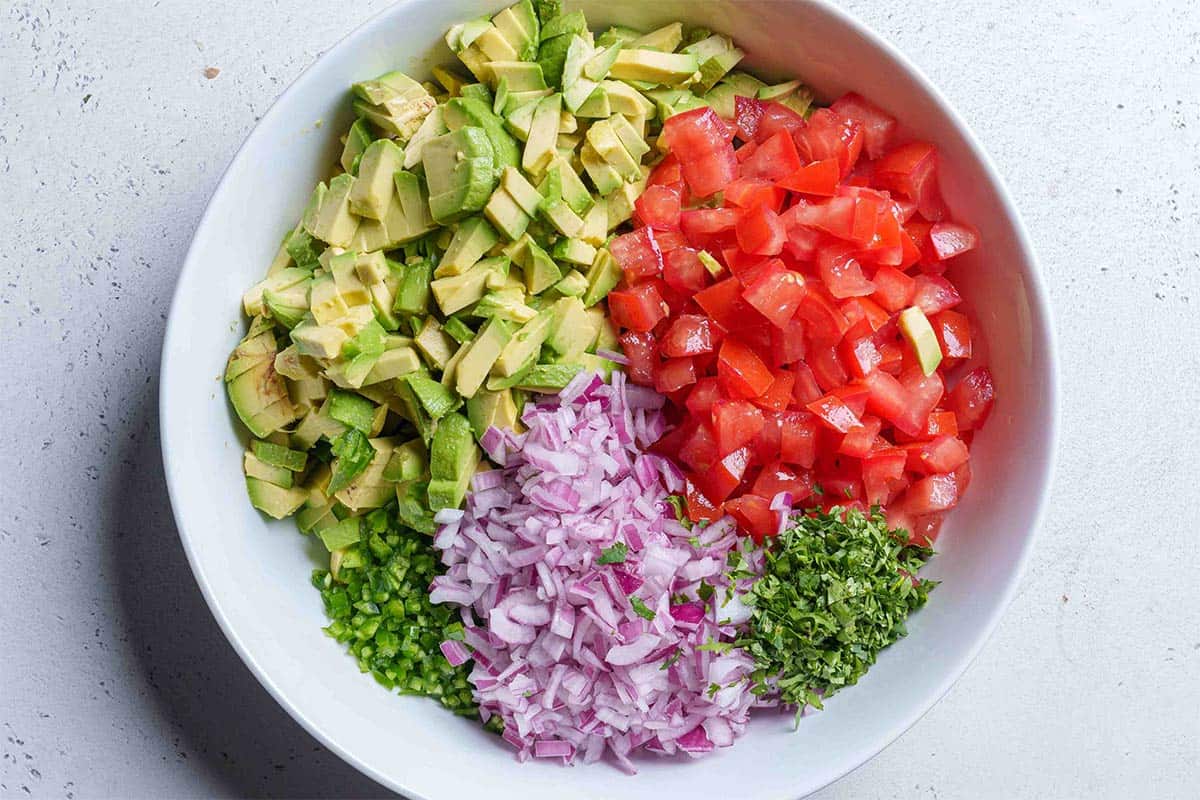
[626, 391]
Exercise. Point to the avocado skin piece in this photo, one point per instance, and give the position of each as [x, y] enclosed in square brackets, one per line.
[460, 168]
[452, 460]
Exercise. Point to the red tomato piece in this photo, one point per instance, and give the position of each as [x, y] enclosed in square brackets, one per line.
[741, 372]
[699, 449]
[639, 349]
[694, 134]
[787, 343]
[699, 507]
[667, 173]
[806, 389]
[798, 438]
[761, 232]
[858, 442]
[878, 126]
[942, 454]
[893, 289]
[931, 494]
[888, 398]
[858, 309]
[723, 302]
[773, 158]
[747, 112]
[776, 293]
[911, 170]
[699, 224]
[736, 423]
[834, 216]
[638, 308]
[953, 332]
[924, 392]
[710, 174]
[830, 135]
[754, 515]
[933, 293]
[826, 366]
[659, 207]
[949, 239]
[778, 477]
[823, 321]
[777, 117]
[855, 396]
[820, 178]
[719, 481]
[803, 241]
[751, 192]
[683, 272]
[941, 422]
[674, 374]
[882, 474]
[689, 335]
[832, 411]
[858, 351]
[702, 396]
[972, 399]
[842, 273]
[779, 396]
[638, 253]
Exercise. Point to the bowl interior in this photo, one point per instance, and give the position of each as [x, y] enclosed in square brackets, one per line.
[255, 574]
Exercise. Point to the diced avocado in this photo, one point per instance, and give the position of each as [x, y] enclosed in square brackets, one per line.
[714, 64]
[670, 102]
[274, 501]
[414, 205]
[470, 111]
[595, 224]
[472, 91]
[460, 169]
[579, 52]
[372, 190]
[314, 519]
[351, 409]
[493, 410]
[517, 100]
[464, 34]
[278, 455]
[506, 305]
[602, 277]
[600, 62]
[564, 25]
[735, 84]
[393, 364]
[604, 176]
[574, 251]
[573, 284]
[472, 239]
[452, 82]
[370, 489]
[409, 462]
[350, 288]
[357, 139]
[434, 344]
[629, 136]
[520, 118]
[543, 134]
[549, 378]
[412, 297]
[626, 100]
[665, 39]
[254, 467]
[281, 281]
[506, 215]
[501, 101]
[333, 222]
[394, 103]
[554, 208]
[919, 333]
[522, 76]
[604, 140]
[434, 125]
[621, 202]
[290, 363]
[618, 34]
[495, 46]
[596, 106]
[258, 393]
[778, 90]
[569, 331]
[523, 345]
[653, 66]
[540, 270]
[314, 426]
[436, 399]
[341, 535]
[572, 188]
[456, 292]
[606, 334]
[799, 101]
[521, 190]
[458, 330]
[594, 363]
[303, 249]
[453, 456]
[481, 355]
[289, 306]
[519, 26]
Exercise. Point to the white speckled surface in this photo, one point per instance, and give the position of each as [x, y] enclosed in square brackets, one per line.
[114, 679]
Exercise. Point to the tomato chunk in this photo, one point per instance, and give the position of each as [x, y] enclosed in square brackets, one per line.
[638, 253]
[639, 350]
[659, 207]
[773, 158]
[754, 515]
[760, 231]
[638, 308]
[950, 239]
[779, 477]
[832, 411]
[736, 423]
[674, 374]
[683, 271]
[820, 178]
[972, 399]
[741, 372]
[877, 125]
[776, 293]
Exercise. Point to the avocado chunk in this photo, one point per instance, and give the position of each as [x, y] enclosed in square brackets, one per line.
[603, 138]
[279, 456]
[519, 76]
[333, 222]
[524, 345]
[352, 410]
[506, 304]
[341, 535]
[493, 410]
[258, 393]
[357, 140]
[721, 97]
[460, 169]
[291, 281]
[915, 327]
[369, 488]
[574, 251]
[481, 355]
[456, 292]
[626, 100]
[453, 456]
[436, 399]
[409, 462]
[665, 39]
[554, 208]
[434, 344]
[473, 238]
[394, 103]
[570, 332]
[393, 364]
[412, 296]
[543, 135]
[434, 125]
[254, 467]
[505, 214]
[604, 176]
[549, 378]
[414, 205]
[520, 27]
[539, 268]
[602, 277]
[470, 111]
[458, 330]
[654, 67]
[274, 501]
[373, 188]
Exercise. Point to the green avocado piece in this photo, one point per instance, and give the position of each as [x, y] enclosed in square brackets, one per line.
[604, 176]
[373, 188]
[653, 66]
[254, 467]
[434, 344]
[414, 207]
[664, 39]
[526, 343]
[919, 333]
[572, 189]
[597, 105]
[505, 214]
[460, 170]
[603, 138]
[506, 305]
[489, 409]
[279, 456]
[408, 462]
[481, 354]
[735, 84]
[357, 140]
[258, 393]
[594, 363]
[540, 270]
[602, 277]
[343, 534]
[412, 296]
[458, 330]
[570, 333]
[351, 409]
[547, 10]
[291, 282]
[552, 54]
[564, 25]
[574, 251]
[573, 284]
[554, 208]
[456, 292]
[540, 144]
[467, 111]
[333, 222]
[303, 249]
[472, 91]
[453, 456]
[391, 364]
[436, 399]
[434, 125]
[716, 67]
[520, 76]
[472, 239]
[519, 25]
[274, 501]
[549, 378]
[412, 506]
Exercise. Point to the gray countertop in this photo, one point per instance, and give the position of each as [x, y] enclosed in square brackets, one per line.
[114, 679]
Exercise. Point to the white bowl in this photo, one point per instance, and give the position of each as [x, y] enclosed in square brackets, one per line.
[254, 574]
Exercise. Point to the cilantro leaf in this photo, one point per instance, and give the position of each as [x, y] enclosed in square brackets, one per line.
[640, 608]
[613, 555]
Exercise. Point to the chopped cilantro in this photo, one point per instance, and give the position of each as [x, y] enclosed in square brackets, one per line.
[640, 608]
[613, 555]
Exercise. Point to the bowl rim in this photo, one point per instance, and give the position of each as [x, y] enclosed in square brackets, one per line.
[1047, 345]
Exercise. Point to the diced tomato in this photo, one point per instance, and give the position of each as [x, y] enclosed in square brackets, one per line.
[710, 174]
[778, 477]
[802, 241]
[741, 372]
[834, 216]
[699, 507]
[910, 250]
[776, 117]
[638, 253]
[806, 389]
[823, 321]
[857, 309]
[754, 515]
[953, 332]
[911, 170]
[878, 126]
[748, 111]
[773, 158]
[699, 224]
[719, 481]
[858, 441]
[723, 302]
[826, 366]
[933, 293]
[751, 192]
[776, 293]
[699, 449]
[924, 392]
[836, 414]
[931, 494]
[674, 374]
[695, 133]
[941, 422]
[950, 239]
[787, 343]
[820, 179]
[830, 135]
[888, 398]
[858, 351]
[891, 357]
[701, 398]
[797, 438]
[638, 308]
[639, 350]
[689, 335]
[855, 396]
[736, 423]
[972, 399]
[761, 232]
[779, 396]
[893, 289]
[942, 454]
[882, 473]
[683, 272]
[659, 207]
[842, 273]
[667, 173]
